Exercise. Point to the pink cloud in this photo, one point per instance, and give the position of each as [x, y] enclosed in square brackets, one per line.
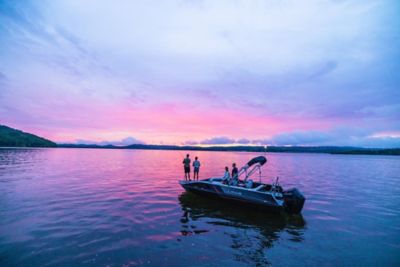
[159, 122]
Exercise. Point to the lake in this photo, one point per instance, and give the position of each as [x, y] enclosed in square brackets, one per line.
[99, 207]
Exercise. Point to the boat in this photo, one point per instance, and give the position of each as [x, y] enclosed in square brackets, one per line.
[246, 191]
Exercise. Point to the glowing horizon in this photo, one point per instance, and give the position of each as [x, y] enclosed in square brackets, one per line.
[202, 72]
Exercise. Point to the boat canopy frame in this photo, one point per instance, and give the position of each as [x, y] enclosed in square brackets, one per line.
[257, 163]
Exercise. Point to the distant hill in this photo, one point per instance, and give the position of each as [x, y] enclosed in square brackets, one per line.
[10, 137]
[261, 149]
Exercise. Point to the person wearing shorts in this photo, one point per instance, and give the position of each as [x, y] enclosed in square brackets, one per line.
[196, 168]
[186, 167]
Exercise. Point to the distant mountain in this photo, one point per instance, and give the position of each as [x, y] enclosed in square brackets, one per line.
[261, 149]
[10, 137]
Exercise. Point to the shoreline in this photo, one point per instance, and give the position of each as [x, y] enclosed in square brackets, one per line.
[272, 149]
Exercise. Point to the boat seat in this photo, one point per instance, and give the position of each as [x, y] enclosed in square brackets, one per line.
[213, 180]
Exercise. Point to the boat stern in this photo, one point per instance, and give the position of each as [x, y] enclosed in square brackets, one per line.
[294, 200]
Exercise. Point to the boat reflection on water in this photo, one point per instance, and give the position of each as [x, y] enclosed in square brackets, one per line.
[251, 232]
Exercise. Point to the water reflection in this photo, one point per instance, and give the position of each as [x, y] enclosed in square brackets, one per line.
[251, 232]
[73, 207]
[16, 157]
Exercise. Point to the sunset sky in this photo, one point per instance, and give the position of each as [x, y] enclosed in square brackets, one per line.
[202, 72]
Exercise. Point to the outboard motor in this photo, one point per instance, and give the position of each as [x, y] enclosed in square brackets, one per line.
[294, 200]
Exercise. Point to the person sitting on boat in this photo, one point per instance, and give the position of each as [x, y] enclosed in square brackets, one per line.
[226, 177]
[249, 183]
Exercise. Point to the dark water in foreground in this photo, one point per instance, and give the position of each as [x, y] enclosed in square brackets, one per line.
[69, 207]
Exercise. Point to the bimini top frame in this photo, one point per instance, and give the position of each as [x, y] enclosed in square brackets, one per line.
[247, 171]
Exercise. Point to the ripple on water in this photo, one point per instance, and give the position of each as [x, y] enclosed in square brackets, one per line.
[71, 207]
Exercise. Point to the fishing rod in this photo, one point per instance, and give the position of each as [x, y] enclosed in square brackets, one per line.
[180, 153]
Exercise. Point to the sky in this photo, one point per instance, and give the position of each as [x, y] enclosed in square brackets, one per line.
[202, 72]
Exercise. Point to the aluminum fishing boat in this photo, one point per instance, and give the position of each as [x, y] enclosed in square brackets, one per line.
[242, 188]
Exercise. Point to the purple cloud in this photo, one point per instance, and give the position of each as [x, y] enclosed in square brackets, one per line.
[57, 76]
[220, 140]
[243, 141]
[302, 138]
[336, 137]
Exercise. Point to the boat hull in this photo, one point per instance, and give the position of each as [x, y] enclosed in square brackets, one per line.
[245, 197]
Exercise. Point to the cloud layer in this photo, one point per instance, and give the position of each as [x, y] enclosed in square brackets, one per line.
[215, 72]
[337, 137]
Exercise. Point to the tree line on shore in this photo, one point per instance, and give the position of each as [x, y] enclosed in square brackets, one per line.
[10, 137]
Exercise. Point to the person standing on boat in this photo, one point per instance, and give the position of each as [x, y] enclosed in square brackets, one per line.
[186, 167]
[196, 168]
[234, 179]
[235, 170]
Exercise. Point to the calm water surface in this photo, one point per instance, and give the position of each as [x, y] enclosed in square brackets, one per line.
[70, 207]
